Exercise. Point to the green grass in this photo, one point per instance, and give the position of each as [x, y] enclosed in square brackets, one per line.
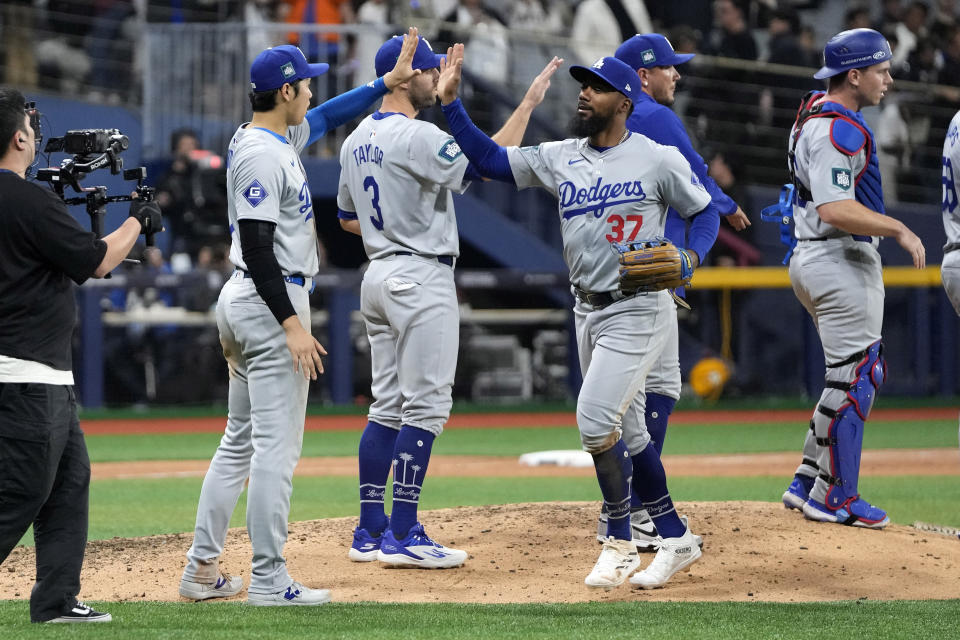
[681, 439]
[587, 621]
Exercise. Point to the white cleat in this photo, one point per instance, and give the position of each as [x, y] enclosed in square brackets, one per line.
[618, 559]
[294, 595]
[224, 587]
[675, 554]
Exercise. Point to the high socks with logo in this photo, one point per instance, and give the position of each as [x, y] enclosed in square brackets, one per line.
[410, 458]
[375, 456]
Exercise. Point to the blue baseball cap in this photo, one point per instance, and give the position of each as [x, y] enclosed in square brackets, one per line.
[423, 57]
[277, 66]
[617, 74]
[650, 50]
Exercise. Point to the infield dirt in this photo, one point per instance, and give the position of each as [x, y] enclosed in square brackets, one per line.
[542, 552]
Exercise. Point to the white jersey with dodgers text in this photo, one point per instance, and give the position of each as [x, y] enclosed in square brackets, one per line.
[266, 181]
[951, 181]
[398, 176]
[618, 194]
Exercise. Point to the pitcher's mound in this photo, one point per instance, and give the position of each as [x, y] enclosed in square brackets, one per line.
[542, 552]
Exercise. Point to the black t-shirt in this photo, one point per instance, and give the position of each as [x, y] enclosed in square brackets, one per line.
[42, 248]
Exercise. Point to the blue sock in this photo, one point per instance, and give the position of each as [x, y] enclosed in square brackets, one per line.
[650, 485]
[613, 473]
[410, 458]
[375, 456]
[658, 410]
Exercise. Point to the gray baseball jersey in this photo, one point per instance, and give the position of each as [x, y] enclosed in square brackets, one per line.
[398, 175]
[950, 208]
[604, 196]
[828, 173]
[266, 181]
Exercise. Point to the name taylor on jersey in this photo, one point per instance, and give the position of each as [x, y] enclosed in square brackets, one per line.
[368, 153]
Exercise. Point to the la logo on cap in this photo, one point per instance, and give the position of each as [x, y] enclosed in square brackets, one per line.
[598, 64]
[287, 70]
[648, 56]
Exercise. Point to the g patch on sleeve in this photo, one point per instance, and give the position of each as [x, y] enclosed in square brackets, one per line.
[450, 150]
[255, 193]
[842, 178]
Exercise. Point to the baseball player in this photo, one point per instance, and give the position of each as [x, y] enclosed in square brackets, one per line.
[263, 315]
[835, 269]
[950, 267]
[397, 179]
[653, 58]
[612, 185]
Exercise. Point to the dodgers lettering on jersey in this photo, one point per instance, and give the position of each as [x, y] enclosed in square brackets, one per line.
[949, 177]
[397, 177]
[616, 195]
[266, 181]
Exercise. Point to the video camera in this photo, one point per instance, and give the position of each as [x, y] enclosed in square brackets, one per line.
[93, 149]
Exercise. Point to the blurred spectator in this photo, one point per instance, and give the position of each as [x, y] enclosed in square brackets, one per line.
[599, 26]
[17, 42]
[894, 147]
[890, 17]
[944, 22]
[538, 17]
[693, 14]
[375, 14]
[192, 10]
[318, 47]
[730, 37]
[812, 49]
[782, 90]
[731, 249]
[857, 17]
[62, 62]
[922, 64]
[111, 49]
[260, 17]
[910, 31]
[192, 195]
[487, 50]
[950, 72]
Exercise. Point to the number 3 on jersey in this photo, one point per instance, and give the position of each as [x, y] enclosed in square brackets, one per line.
[369, 184]
[617, 227]
[949, 187]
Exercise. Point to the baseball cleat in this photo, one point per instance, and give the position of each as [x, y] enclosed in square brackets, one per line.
[365, 547]
[696, 538]
[856, 513]
[224, 587]
[797, 493]
[618, 559]
[675, 554]
[80, 612]
[644, 532]
[417, 550]
[294, 595]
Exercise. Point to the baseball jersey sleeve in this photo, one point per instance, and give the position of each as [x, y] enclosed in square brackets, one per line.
[535, 166]
[344, 199]
[258, 180]
[831, 172]
[679, 185]
[436, 157]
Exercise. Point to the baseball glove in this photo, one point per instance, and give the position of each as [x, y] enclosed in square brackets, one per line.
[652, 265]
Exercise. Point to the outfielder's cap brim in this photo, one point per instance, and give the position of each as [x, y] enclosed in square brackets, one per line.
[317, 69]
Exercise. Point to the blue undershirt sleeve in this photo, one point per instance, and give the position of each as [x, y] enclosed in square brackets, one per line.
[703, 231]
[343, 108]
[485, 155]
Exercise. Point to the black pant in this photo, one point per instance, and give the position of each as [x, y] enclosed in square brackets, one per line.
[44, 480]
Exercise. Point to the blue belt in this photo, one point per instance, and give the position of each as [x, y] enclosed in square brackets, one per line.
[447, 260]
[300, 281]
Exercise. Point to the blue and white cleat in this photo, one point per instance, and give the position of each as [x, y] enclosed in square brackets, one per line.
[224, 586]
[797, 493]
[418, 551]
[365, 547]
[856, 513]
[294, 595]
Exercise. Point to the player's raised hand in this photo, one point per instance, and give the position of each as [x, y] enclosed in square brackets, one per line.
[738, 220]
[304, 349]
[450, 70]
[538, 88]
[403, 70]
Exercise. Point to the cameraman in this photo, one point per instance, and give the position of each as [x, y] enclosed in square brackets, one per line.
[44, 467]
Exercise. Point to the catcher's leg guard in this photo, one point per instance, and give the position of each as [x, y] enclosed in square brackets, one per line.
[850, 389]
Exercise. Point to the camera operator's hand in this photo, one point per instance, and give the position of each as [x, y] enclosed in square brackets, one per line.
[148, 215]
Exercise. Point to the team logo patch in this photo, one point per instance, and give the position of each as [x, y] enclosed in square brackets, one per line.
[648, 56]
[255, 193]
[598, 64]
[694, 180]
[450, 151]
[287, 70]
[842, 178]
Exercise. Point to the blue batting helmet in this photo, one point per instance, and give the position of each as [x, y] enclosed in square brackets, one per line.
[853, 49]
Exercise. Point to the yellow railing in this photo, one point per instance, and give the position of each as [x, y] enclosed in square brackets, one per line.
[778, 277]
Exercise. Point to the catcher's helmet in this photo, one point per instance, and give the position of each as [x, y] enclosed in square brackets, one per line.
[853, 49]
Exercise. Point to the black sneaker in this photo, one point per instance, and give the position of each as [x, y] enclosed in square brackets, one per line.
[82, 613]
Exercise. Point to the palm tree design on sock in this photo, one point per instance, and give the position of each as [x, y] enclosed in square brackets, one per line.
[414, 468]
[406, 457]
